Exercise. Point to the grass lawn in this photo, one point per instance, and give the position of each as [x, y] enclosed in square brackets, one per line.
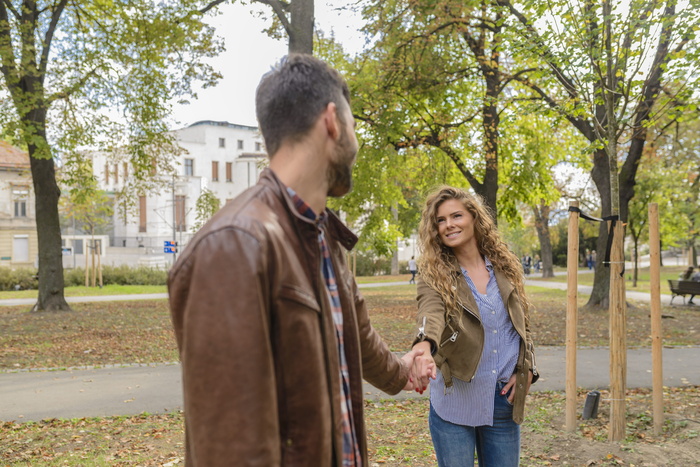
[83, 291]
[643, 278]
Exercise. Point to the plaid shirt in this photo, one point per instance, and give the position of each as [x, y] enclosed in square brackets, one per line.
[351, 448]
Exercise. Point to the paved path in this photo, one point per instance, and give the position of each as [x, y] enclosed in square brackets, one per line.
[131, 390]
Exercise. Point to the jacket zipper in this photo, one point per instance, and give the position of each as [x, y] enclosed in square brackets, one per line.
[481, 351]
[534, 360]
[421, 330]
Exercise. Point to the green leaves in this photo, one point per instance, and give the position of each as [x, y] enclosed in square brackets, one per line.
[206, 206]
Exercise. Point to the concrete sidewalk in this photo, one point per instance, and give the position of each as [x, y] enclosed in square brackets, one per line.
[130, 390]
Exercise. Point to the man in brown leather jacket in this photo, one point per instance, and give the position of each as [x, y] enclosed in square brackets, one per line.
[274, 336]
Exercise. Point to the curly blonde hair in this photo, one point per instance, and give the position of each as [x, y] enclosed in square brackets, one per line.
[437, 260]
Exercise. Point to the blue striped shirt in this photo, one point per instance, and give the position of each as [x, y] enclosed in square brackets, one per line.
[471, 402]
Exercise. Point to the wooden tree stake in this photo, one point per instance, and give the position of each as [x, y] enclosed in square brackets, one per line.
[618, 337]
[656, 332]
[571, 317]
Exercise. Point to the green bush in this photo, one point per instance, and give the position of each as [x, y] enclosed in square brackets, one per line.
[18, 279]
[25, 278]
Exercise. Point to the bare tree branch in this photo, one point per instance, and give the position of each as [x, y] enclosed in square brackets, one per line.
[280, 8]
[8, 66]
[211, 5]
[55, 16]
[8, 4]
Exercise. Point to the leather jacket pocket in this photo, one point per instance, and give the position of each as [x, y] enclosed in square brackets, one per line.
[300, 296]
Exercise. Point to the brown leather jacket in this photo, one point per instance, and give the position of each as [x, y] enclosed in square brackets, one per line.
[257, 340]
[457, 346]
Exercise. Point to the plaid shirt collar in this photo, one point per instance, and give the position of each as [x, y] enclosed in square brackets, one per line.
[305, 210]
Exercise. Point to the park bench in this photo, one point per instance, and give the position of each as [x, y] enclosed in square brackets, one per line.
[683, 288]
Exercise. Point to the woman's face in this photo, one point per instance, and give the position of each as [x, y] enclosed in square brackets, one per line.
[455, 225]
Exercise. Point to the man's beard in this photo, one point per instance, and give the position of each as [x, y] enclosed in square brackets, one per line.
[339, 173]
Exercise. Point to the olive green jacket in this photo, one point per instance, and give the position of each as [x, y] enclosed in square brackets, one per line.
[457, 343]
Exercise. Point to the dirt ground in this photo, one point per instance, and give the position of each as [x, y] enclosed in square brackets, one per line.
[399, 435]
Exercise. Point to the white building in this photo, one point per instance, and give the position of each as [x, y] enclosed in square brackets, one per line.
[225, 158]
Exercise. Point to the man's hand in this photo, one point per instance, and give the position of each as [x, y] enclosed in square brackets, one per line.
[422, 367]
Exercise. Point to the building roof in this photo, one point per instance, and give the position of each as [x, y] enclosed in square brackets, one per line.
[226, 124]
[12, 157]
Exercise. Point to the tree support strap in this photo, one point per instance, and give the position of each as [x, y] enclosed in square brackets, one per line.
[611, 233]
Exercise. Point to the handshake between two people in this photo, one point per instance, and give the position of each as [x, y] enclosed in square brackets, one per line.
[422, 367]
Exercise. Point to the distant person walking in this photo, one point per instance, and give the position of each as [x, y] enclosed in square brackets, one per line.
[413, 267]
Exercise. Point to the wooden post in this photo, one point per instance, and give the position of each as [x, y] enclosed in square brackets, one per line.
[618, 336]
[86, 249]
[656, 333]
[94, 271]
[571, 317]
[99, 264]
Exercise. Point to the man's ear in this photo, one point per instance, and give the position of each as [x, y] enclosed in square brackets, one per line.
[330, 118]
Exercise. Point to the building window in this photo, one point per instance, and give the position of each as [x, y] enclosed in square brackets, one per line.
[21, 208]
[142, 214]
[240, 144]
[258, 147]
[106, 173]
[189, 167]
[222, 142]
[180, 213]
[116, 173]
[229, 171]
[215, 171]
[126, 171]
[20, 249]
[20, 194]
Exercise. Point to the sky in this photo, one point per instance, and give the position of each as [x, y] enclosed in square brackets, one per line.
[249, 54]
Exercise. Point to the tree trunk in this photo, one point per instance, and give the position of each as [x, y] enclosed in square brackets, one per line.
[542, 226]
[46, 189]
[635, 276]
[600, 295]
[692, 254]
[301, 33]
[395, 256]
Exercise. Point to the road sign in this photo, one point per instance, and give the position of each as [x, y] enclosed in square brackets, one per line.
[170, 243]
[169, 249]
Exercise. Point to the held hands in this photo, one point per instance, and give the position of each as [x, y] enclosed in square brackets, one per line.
[422, 367]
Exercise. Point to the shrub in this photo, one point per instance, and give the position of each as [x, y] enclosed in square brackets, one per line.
[26, 278]
[18, 279]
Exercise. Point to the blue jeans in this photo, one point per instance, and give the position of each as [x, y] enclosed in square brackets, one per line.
[495, 446]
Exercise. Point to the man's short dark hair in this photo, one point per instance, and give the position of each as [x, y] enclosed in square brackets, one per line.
[291, 97]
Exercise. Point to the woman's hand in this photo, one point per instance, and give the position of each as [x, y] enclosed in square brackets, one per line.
[511, 384]
[423, 367]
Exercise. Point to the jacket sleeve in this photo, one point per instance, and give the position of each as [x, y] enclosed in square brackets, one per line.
[380, 366]
[431, 316]
[221, 321]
